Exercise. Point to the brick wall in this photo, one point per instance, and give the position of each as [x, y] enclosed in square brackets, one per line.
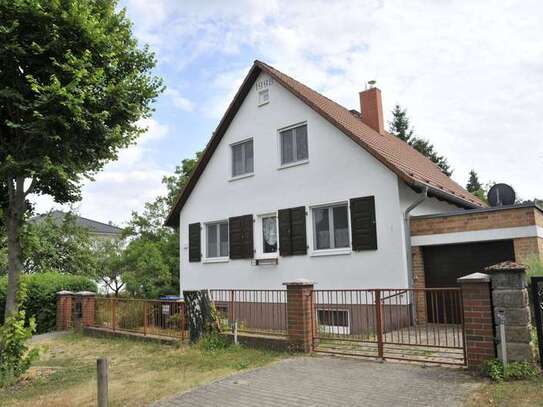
[64, 310]
[478, 319]
[468, 222]
[420, 282]
[526, 247]
[300, 311]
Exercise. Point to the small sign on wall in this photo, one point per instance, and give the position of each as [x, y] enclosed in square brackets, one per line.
[263, 84]
[166, 309]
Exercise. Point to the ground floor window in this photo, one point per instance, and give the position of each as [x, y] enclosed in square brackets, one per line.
[217, 239]
[266, 236]
[330, 227]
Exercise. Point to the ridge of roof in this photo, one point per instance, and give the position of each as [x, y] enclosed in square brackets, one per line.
[95, 225]
[411, 166]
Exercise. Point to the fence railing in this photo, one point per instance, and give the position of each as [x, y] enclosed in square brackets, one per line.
[391, 323]
[146, 317]
[256, 311]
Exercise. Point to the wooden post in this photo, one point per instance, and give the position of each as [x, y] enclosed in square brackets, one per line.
[379, 323]
[102, 381]
[232, 315]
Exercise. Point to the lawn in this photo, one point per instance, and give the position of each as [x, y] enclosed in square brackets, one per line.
[139, 372]
[522, 393]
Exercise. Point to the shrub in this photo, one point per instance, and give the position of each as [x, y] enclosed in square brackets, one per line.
[213, 342]
[40, 289]
[514, 371]
[534, 265]
[15, 358]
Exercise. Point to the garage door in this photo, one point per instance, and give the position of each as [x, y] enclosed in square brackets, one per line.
[443, 265]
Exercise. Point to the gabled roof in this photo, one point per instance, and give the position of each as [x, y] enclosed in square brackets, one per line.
[412, 167]
[92, 226]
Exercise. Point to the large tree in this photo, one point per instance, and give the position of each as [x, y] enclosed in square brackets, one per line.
[473, 184]
[73, 84]
[400, 127]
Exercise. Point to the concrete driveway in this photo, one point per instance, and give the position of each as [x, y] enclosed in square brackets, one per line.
[328, 381]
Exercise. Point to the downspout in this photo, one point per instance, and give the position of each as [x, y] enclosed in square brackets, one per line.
[409, 256]
[407, 228]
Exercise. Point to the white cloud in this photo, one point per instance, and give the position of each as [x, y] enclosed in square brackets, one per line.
[470, 73]
[123, 185]
[179, 101]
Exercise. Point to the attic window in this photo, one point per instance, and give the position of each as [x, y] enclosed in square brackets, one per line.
[263, 97]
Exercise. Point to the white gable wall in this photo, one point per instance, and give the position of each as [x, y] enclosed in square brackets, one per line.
[338, 169]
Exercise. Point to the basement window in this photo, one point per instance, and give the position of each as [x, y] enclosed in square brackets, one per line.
[333, 321]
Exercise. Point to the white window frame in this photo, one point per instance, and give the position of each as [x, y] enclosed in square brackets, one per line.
[334, 329]
[245, 174]
[312, 238]
[259, 244]
[217, 259]
[260, 99]
[280, 146]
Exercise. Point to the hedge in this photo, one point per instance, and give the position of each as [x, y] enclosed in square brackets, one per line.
[41, 289]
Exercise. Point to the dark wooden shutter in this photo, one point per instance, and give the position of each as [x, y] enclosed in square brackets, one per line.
[285, 246]
[298, 230]
[363, 228]
[241, 237]
[292, 231]
[195, 250]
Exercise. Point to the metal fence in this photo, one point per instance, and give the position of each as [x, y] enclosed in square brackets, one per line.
[408, 324]
[256, 311]
[146, 317]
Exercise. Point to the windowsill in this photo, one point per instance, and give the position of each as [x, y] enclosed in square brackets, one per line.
[242, 176]
[264, 257]
[294, 164]
[216, 260]
[331, 252]
[335, 329]
[263, 103]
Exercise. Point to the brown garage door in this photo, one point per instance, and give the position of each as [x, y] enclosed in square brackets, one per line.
[443, 265]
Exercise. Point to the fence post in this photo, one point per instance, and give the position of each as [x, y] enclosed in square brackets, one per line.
[379, 323]
[88, 307]
[478, 321]
[64, 310]
[232, 314]
[102, 382]
[114, 313]
[144, 318]
[300, 314]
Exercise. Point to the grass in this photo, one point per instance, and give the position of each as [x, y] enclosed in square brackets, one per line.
[522, 393]
[139, 372]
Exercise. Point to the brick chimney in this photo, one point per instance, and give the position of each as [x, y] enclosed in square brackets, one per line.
[371, 108]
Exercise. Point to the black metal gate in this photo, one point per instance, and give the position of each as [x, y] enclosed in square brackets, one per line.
[537, 296]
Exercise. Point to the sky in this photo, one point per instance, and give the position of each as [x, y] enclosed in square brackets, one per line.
[470, 74]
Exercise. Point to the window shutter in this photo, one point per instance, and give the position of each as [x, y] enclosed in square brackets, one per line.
[363, 228]
[292, 231]
[241, 237]
[285, 247]
[195, 250]
[298, 230]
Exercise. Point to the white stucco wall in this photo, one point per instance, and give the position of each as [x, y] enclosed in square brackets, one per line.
[338, 169]
[427, 207]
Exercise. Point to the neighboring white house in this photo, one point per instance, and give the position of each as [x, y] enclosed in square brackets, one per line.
[293, 185]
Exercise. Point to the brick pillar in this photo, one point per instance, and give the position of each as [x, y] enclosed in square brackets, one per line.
[64, 310]
[85, 303]
[510, 298]
[420, 283]
[478, 320]
[300, 313]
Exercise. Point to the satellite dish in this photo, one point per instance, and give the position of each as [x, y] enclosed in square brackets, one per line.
[501, 194]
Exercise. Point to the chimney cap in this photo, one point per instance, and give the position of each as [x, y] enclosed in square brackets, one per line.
[372, 83]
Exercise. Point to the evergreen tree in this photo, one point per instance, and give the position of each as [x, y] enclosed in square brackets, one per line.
[473, 184]
[400, 127]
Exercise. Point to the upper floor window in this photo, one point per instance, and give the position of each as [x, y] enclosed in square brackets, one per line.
[294, 144]
[242, 158]
[330, 227]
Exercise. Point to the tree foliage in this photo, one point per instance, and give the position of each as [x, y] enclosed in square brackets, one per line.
[473, 184]
[401, 128]
[74, 85]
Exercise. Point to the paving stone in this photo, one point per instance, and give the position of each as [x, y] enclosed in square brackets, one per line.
[326, 381]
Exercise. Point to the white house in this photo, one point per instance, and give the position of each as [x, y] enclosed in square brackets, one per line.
[293, 185]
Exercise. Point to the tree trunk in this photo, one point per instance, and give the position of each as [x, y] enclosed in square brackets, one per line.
[14, 220]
